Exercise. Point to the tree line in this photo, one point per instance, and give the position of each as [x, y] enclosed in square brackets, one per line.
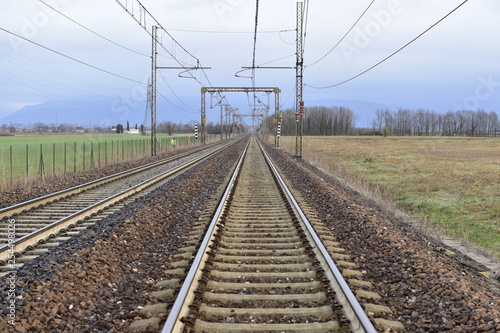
[427, 123]
[317, 120]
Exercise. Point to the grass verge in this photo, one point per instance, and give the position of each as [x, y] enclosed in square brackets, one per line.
[451, 183]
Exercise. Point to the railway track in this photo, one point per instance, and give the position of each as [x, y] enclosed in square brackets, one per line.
[261, 267]
[26, 225]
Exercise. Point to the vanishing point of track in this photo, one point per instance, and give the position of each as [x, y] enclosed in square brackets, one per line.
[261, 267]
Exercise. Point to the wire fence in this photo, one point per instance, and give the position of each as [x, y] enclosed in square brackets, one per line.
[22, 164]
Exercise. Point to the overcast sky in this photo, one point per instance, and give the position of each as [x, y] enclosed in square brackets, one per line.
[454, 65]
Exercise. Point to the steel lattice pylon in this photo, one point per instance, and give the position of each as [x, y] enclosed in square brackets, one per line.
[153, 91]
[299, 106]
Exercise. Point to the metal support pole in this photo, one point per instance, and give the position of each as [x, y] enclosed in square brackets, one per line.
[299, 71]
[154, 55]
[278, 116]
[203, 114]
[221, 132]
[226, 130]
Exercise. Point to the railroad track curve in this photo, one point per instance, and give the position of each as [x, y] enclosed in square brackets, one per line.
[24, 226]
[261, 267]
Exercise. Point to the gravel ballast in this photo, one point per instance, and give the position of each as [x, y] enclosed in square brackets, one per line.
[428, 292]
[94, 282]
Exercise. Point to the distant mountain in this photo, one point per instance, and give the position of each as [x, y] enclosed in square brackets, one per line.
[109, 112]
[364, 110]
[97, 112]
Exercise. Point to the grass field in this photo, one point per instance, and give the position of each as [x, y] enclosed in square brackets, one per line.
[452, 183]
[29, 157]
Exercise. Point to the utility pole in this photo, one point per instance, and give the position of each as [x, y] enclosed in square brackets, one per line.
[279, 118]
[299, 104]
[153, 89]
[221, 134]
[227, 121]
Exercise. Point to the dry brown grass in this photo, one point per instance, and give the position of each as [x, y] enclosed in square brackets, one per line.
[451, 183]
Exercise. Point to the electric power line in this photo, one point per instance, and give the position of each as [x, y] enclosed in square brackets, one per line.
[170, 102]
[176, 96]
[392, 54]
[142, 22]
[55, 71]
[343, 37]
[71, 58]
[95, 33]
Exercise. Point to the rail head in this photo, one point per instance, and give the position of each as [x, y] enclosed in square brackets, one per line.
[21, 244]
[173, 323]
[19, 208]
[353, 310]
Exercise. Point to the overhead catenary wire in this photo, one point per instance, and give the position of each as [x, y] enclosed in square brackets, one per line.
[392, 54]
[142, 22]
[231, 32]
[170, 88]
[343, 37]
[172, 103]
[95, 33]
[143, 11]
[71, 58]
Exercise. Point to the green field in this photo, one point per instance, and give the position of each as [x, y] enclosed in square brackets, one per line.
[451, 183]
[29, 157]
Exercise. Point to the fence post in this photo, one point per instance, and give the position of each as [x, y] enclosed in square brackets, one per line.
[91, 155]
[10, 165]
[74, 158]
[41, 166]
[54, 159]
[99, 154]
[27, 164]
[64, 153]
[83, 156]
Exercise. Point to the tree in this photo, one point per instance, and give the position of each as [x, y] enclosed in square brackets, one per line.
[493, 124]
[128, 127]
[119, 128]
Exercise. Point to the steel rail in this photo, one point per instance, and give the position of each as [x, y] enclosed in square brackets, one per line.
[178, 309]
[353, 310]
[23, 243]
[23, 207]
[359, 321]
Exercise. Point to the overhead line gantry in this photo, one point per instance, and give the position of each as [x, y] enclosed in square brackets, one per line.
[212, 90]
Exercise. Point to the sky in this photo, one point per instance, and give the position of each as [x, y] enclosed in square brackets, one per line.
[455, 65]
